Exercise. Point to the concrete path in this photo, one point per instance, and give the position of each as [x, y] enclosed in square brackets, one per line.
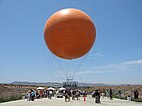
[60, 102]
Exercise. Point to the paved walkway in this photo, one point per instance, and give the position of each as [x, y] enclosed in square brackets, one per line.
[60, 102]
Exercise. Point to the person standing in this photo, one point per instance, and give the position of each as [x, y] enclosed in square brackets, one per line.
[32, 95]
[73, 94]
[85, 95]
[119, 93]
[28, 95]
[103, 93]
[97, 96]
[66, 95]
[50, 94]
[110, 94]
[77, 94]
[107, 93]
[136, 94]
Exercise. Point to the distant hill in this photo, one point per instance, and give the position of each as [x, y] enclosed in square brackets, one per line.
[92, 84]
[56, 84]
[53, 84]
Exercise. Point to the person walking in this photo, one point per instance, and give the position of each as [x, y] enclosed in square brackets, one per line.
[67, 95]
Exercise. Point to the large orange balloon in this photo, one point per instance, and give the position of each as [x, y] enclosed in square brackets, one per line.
[69, 33]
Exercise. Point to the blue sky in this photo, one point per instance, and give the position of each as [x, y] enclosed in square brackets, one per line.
[115, 58]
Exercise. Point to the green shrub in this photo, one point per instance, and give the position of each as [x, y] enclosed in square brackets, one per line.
[12, 98]
[137, 100]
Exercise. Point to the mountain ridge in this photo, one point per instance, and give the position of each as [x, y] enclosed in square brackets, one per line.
[56, 84]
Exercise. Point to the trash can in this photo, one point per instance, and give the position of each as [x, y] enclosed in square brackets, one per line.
[23, 97]
[129, 98]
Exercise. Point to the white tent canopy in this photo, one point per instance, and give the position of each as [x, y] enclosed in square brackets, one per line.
[51, 88]
[62, 88]
[40, 88]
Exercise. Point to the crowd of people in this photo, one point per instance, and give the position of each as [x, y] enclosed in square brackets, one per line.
[104, 93]
[37, 94]
[109, 93]
[68, 93]
[75, 94]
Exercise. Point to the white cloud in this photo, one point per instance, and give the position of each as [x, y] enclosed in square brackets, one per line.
[84, 72]
[134, 62]
[123, 66]
[98, 55]
[95, 55]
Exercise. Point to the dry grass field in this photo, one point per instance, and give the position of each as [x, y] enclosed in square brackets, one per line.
[10, 92]
[125, 89]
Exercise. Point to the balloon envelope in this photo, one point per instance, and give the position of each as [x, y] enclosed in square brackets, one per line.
[69, 33]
